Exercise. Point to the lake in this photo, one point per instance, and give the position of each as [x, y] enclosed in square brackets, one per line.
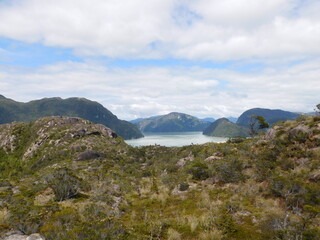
[174, 139]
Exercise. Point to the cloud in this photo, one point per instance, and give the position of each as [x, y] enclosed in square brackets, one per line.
[204, 29]
[277, 39]
[142, 92]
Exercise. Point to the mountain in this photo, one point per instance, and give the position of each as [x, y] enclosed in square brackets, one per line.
[11, 111]
[208, 119]
[271, 116]
[232, 119]
[172, 122]
[135, 121]
[225, 128]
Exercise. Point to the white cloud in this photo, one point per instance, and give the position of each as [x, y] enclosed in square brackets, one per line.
[203, 29]
[243, 13]
[273, 33]
[142, 92]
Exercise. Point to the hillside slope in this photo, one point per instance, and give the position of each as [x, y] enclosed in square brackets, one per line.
[11, 110]
[67, 178]
[172, 122]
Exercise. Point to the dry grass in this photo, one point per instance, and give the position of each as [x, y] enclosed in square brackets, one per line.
[173, 234]
[193, 222]
[162, 195]
[45, 197]
[4, 215]
[213, 234]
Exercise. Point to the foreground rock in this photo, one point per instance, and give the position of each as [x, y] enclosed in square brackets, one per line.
[20, 236]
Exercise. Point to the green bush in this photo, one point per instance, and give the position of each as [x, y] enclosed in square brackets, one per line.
[11, 167]
[229, 170]
[64, 184]
[183, 186]
[199, 171]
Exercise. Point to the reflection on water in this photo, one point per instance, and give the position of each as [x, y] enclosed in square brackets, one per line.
[173, 139]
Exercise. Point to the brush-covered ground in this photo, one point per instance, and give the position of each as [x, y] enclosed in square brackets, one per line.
[67, 178]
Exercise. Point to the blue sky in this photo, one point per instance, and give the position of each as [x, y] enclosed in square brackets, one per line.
[207, 58]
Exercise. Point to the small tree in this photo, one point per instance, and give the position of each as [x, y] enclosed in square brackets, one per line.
[257, 123]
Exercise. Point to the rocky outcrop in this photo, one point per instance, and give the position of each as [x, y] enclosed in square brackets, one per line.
[87, 155]
[54, 138]
[183, 161]
[16, 235]
[68, 128]
[295, 131]
[216, 156]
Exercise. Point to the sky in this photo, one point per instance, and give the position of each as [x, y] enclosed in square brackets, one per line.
[206, 58]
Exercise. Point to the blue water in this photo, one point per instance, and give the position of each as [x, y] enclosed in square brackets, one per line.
[174, 139]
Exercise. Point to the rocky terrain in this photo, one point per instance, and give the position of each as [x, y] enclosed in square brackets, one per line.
[67, 178]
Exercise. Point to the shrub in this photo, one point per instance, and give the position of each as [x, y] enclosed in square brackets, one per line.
[64, 184]
[11, 167]
[183, 186]
[229, 171]
[199, 171]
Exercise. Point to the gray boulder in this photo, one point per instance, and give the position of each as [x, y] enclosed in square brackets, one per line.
[16, 235]
[90, 154]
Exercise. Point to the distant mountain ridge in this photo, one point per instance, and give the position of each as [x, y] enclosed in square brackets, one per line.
[134, 121]
[271, 115]
[232, 119]
[208, 119]
[11, 111]
[223, 127]
[172, 122]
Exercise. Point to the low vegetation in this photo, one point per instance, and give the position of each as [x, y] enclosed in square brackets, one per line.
[260, 188]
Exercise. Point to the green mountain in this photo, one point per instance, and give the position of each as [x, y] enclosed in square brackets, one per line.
[271, 116]
[172, 122]
[67, 178]
[225, 128]
[11, 111]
